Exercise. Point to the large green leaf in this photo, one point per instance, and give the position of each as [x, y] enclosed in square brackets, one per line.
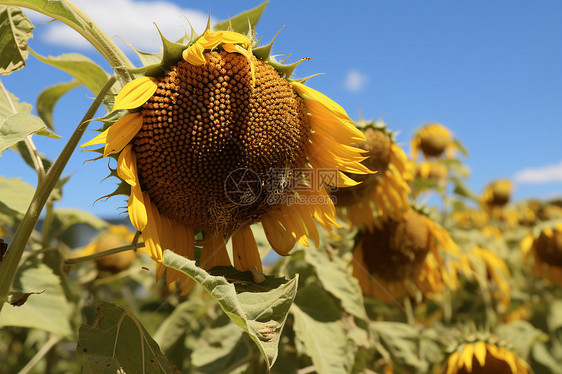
[48, 310]
[16, 121]
[554, 316]
[319, 331]
[58, 9]
[119, 341]
[48, 98]
[402, 341]
[15, 196]
[241, 23]
[80, 67]
[15, 31]
[259, 309]
[64, 218]
[335, 275]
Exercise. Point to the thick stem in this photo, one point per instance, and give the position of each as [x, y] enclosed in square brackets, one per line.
[12, 258]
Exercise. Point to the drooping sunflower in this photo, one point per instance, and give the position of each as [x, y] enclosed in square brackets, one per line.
[483, 357]
[403, 258]
[433, 140]
[382, 195]
[546, 249]
[496, 195]
[218, 137]
[493, 271]
[115, 236]
[431, 170]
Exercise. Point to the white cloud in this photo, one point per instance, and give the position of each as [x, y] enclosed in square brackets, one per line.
[355, 81]
[129, 19]
[543, 174]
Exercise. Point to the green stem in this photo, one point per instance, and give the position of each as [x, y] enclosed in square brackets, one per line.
[109, 252]
[12, 258]
[77, 20]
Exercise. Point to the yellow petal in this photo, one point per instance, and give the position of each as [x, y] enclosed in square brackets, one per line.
[137, 209]
[466, 357]
[307, 92]
[480, 353]
[214, 252]
[194, 54]
[127, 165]
[135, 93]
[150, 233]
[277, 236]
[245, 251]
[99, 139]
[122, 132]
[452, 363]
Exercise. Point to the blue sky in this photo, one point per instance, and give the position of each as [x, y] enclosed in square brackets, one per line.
[491, 72]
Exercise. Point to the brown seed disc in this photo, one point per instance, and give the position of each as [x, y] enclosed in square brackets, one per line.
[500, 195]
[398, 250]
[492, 365]
[434, 144]
[210, 139]
[378, 148]
[549, 250]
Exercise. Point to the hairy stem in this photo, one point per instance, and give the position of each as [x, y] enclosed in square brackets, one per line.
[15, 251]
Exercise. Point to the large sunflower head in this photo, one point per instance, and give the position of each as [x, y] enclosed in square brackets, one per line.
[546, 249]
[381, 195]
[218, 137]
[433, 140]
[484, 356]
[403, 257]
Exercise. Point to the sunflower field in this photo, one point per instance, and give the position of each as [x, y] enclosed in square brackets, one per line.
[267, 232]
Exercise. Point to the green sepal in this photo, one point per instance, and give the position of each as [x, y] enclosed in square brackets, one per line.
[303, 80]
[264, 52]
[243, 23]
[286, 70]
[122, 189]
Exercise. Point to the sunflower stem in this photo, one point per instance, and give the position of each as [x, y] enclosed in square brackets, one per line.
[109, 252]
[11, 259]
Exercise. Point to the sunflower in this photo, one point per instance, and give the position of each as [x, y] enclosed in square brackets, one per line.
[490, 267]
[402, 258]
[433, 140]
[496, 195]
[381, 195]
[115, 236]
[217, 138]
[431, 170]
[482, 357]
[546, 249]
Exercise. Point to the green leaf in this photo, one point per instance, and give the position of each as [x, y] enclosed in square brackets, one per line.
[64, 218]
[335, 275]
[259, 309]
[554, 318]
[546, 363]
[48, 98]
[522, 335]
[48, 134]
[16, 122]
[15, 32]
[241, 23]
[48, 310]
[86, 71]
[401, 340]
[119, 340]
[221, 348]
[463, 190]
[15, 196]
[319, 331]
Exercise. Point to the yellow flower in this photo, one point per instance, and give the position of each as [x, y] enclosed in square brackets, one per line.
[431, 170]
[495, 270]
[546, 249]
[482, 358]
[403, 258]
[114, 237]
[382, 195]
[221, 140]
[496, 195]
[433, 140]
[471, 218]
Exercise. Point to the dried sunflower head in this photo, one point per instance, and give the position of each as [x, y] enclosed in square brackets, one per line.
[546, 248]
[218, 137]
[433, 140]
[384, 194]
[404, 257]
